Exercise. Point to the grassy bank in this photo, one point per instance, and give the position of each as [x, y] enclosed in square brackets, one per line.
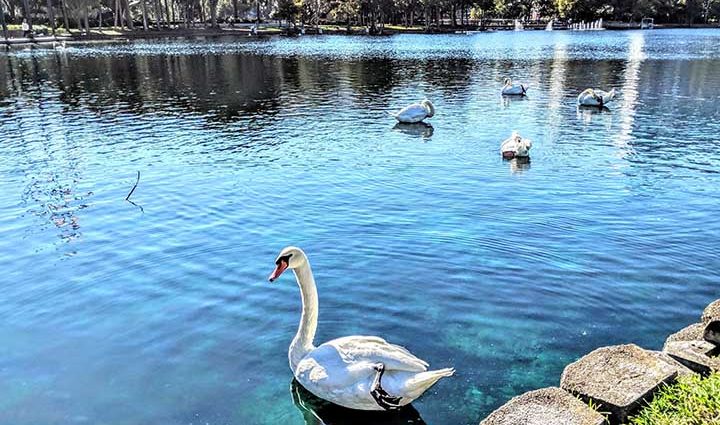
[692, 400]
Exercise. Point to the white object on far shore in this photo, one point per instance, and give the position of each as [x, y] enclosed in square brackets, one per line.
[357, 372]
[594, 97]
[415, 112]
[512, 89]
[515, 147]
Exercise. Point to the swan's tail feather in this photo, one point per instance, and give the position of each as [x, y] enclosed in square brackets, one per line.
[418, 384]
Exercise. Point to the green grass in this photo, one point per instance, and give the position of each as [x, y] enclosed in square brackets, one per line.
[692, 400]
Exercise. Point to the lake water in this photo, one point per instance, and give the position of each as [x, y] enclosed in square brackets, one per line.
[159, 312]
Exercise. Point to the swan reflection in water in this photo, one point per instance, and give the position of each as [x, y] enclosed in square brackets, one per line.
[418, 129]
[519, 165]
[316, 411]
[506, 100]
[586, 113]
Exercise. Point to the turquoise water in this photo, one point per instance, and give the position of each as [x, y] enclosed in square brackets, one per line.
[159, 311]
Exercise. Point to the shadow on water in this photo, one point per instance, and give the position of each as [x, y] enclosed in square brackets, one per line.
[420, 129]
[316, 411]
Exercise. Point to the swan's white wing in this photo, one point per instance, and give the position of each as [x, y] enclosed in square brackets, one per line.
[509, 145]
[355, 349]
[412, 113]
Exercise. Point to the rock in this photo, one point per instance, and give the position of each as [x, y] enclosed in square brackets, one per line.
[620, 378]
[693, 332]
[696, 355]
[711, 312]
[711, 333]
[547, 406]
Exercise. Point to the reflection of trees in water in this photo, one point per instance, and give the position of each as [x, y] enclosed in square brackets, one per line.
[316, 411]
[223, 87]
[55, 198]
[52, 170]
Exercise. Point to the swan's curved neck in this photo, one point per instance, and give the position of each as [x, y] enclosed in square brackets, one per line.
[303, 341]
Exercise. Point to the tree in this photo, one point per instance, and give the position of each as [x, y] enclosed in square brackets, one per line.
[288, 10]
[213, 13]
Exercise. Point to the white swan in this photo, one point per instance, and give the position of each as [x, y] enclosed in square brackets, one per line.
[415, 112]
[594, 97]
[515, 146]
[510, 89]
[358, 372]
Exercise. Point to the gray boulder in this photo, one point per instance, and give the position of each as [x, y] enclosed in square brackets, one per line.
[547, 406]
[620, 378]
[696, 355]
[711, 312]
[693, 332]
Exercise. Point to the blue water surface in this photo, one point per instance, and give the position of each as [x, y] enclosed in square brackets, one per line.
[159, 312]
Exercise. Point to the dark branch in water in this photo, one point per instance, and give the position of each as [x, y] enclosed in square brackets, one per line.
[127, 198]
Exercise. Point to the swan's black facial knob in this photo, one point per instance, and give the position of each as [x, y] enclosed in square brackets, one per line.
[281, 264]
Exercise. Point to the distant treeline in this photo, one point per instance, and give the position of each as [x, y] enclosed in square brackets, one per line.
[371, 14]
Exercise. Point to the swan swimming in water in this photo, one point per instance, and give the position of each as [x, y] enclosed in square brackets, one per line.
[415, 112]
[358, 372]
[594, 97]
[510, 89]
[515, 147]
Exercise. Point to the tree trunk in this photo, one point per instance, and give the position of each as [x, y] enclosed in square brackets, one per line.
[157, 13]
[2, 21]
[51, 16]
[257, 13]
[86, 19]
[235, 11]
[128, 15]
[167, 14]
[65, 16]
[118, 21]
[27, 14]
[144, 15]
[213, 13]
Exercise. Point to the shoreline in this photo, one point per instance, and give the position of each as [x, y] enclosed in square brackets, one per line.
[611, 384]
[112, 35]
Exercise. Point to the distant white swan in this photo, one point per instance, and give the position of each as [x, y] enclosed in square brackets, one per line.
[515, 147]
[358, 372]
[511, 89]
[415, 112]
[594, 97]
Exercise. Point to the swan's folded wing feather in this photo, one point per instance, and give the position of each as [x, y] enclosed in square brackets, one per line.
[376, 350]
[413, 112]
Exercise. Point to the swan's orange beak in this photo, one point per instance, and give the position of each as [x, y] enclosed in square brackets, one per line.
[282, 264]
